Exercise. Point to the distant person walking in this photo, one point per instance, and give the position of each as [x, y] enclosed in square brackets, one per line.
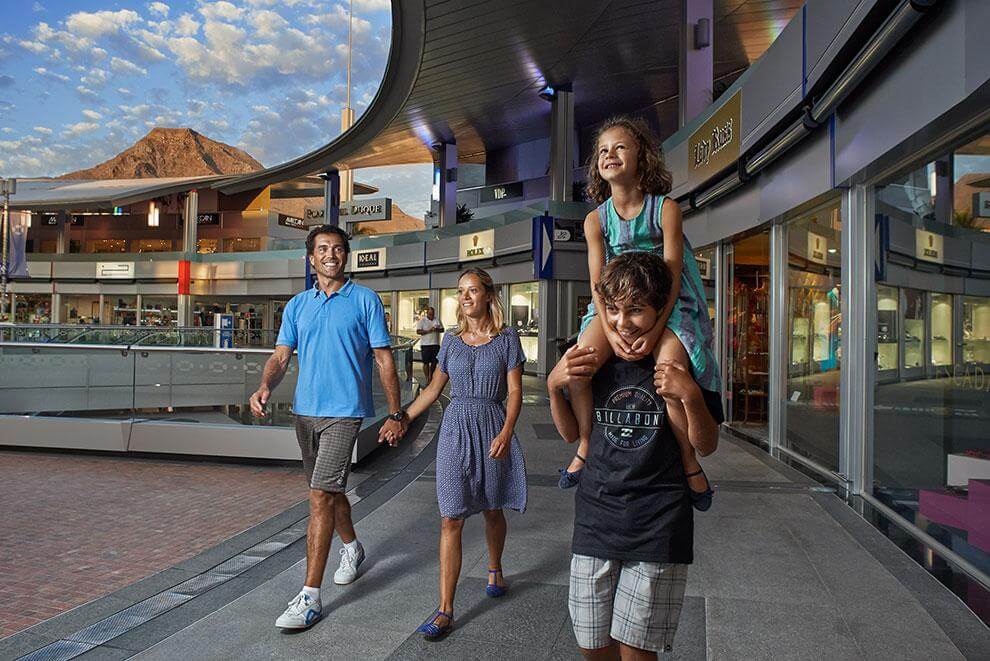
[338, 328]
[480, 465]
[429, 328]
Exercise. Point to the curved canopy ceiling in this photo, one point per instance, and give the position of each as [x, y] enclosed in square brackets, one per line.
[470, 71]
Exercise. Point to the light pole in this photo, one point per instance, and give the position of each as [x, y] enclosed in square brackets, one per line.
[7, 188]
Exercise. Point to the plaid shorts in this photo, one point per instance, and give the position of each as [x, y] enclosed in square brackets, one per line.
[326, 445]
[635, 603]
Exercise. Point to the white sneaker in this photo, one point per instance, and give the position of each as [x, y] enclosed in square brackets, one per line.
[302, 613]
[349, 563]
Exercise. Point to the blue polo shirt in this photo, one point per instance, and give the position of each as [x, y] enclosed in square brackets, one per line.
[334, 337]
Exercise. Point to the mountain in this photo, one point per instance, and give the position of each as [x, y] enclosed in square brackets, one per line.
[171, 153]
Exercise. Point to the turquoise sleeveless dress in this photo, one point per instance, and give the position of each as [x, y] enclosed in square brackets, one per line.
[689, 316]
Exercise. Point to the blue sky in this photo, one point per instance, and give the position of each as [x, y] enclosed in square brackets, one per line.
[81, 80]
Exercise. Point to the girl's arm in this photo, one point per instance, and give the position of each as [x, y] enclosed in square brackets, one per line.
[428, 395]
[513, 405]
[673, 257]
[596, 261]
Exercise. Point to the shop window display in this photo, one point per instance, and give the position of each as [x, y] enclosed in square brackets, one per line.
[159, 311]
[815, 319]
[931, 450]
[386, 298]
[524, 307]
[412, 306]
[154, 245]
[32, 308]
[448, 309]
[80, 309]
[120, 310]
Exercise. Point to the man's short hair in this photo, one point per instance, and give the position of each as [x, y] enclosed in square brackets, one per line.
[636, 276]
[326, 229]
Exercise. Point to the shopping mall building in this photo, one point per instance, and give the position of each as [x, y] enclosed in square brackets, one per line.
[837, 194]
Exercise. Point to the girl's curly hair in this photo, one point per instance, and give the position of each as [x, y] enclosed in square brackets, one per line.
[654, 177]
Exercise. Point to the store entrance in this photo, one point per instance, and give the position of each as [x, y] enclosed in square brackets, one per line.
[747, 333]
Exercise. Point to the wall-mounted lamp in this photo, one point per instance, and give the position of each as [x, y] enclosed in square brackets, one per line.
[547, 93]
[702, 34]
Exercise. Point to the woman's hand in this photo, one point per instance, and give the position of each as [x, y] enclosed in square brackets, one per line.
[500, 446]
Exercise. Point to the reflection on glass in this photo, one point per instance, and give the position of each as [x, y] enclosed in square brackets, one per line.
[887, 324]
[386, 298]
[976, 330]
[941, 329]
[448, 308]
[412, 306]
[914, 328]
[748, 307]
[815, 319]
[523, 315]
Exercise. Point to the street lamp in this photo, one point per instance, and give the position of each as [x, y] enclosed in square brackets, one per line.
[8, 187]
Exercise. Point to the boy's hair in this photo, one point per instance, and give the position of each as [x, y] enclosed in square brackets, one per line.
[326, 229]
[654, 177]
[636, 276]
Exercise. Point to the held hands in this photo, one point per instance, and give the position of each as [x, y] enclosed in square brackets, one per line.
[258, 401]
[673, 380]
[392, 431]
[500, 446]
[645, 343]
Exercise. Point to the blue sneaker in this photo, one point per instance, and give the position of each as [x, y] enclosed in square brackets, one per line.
[302, 613]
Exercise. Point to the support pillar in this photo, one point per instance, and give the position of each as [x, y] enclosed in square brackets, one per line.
[777, 378]
[103, 313]
[346, 175]
[56, 307]
[562, 145]
[696, 72]
[331, 197]
[62, 242]
[189, 241]
[447, 157]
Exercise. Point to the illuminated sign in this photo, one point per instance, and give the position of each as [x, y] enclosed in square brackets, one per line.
[817, 248]
[479, 245]
[715, 145]
[360, 211]
[368, 260]
[928, 246]
[704, 267]
[291, 221]
[314, 215]
[501, 192]
[208, 219]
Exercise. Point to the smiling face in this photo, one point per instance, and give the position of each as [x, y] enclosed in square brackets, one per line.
[329, 256]
[630, 318]
[618, 156]
[472, 297]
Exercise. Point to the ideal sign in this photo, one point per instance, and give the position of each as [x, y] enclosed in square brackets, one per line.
[479, 245]
[715, 145]
[368, 260]
[928, 246]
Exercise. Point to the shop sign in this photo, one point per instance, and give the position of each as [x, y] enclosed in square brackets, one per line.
[479, 245]
[501, 192]
[981, 205]
[360, 211]
[50, 220]
[368, 260]
[715, 145]
[115, 270]
[314, 215]
[568, 230]
[77, 220]
[704, 267]
[928, 246]
[208, 219]
[291, 221]
[817, 248]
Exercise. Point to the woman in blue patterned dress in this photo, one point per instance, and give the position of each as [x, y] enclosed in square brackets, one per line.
[480, 465]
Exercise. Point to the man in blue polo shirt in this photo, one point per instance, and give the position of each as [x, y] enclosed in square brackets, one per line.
[338, 329]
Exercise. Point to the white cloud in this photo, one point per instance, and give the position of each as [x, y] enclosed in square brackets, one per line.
[91, 114]
[37, 8]
[123, 91]
[96, 78]
[268, 23]
[74, 130]
[43, 130]
[86, 93]
[159, 8]
[35, 47]
[221, 10]
[45, 73]
[372, 5]
[101, 23]
[186, 26]
[123, 66]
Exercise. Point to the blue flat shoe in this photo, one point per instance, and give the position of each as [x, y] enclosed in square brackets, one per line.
[568, 479]
[493, 590]
[433, 631]
[701, 500]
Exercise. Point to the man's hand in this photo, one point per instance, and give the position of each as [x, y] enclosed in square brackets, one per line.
[578, 364]
[391, 432]
[672, 379]
[500, 447]
[258, 401]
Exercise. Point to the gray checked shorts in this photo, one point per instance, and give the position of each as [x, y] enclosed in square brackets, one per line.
[635, 603]
[326, 445]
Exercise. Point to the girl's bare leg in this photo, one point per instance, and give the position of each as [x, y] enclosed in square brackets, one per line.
[670, 348]
[581, 395]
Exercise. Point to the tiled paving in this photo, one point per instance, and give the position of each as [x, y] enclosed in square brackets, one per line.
[77, 527]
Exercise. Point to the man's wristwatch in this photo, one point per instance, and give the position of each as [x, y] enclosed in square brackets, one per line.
[398, 416]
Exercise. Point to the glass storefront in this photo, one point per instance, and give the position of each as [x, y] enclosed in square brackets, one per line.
[448, 309]
[814, 321]
[83, 309]
[241, 245]
[154, 245]
[386, 297]
[708, 268]
[747, 328]
[159, 311]
[523, 315]
[412, 306]
[120, 310]
[931, 449]
[32, 308]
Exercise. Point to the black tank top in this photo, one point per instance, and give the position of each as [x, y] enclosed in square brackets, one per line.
[632, 502]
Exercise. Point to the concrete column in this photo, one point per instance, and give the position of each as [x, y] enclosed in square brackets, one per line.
[696, 73]
[346, 176]
[56, 308]
[562, 145]
[190, 214]
[62, 243]
[138, 306]
[331, 197]
[103, 313]
[550, 311]
[447, 158]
